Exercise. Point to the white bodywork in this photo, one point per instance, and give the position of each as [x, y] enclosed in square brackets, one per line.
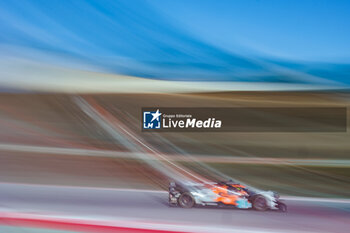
[270, 199]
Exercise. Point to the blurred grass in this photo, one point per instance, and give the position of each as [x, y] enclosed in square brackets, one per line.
[56, 115]
[295, 145]
[74, 170]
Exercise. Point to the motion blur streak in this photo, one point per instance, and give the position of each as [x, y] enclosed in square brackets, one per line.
[105, 119]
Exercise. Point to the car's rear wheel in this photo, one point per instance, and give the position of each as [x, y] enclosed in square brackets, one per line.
[260, 203]
[186, 200]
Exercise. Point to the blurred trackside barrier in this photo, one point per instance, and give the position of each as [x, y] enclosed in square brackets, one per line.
[75, 224]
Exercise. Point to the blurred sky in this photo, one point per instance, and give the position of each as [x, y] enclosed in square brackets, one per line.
[314, 30]
[197, 40]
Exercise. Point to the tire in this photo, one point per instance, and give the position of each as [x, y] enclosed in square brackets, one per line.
[282, 207]
[259, 203]
[186, 200]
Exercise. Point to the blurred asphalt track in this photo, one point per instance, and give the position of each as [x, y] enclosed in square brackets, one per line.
[151, 206]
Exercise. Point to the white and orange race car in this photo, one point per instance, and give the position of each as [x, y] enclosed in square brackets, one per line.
[223, 194]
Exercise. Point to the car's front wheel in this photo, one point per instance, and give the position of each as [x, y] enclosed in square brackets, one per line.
[259, 203]
[186, 200]
[282, 207]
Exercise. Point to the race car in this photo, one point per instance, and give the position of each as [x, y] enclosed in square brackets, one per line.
[230, 194]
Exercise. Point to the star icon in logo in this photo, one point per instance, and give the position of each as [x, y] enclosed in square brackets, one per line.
[156, 115]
